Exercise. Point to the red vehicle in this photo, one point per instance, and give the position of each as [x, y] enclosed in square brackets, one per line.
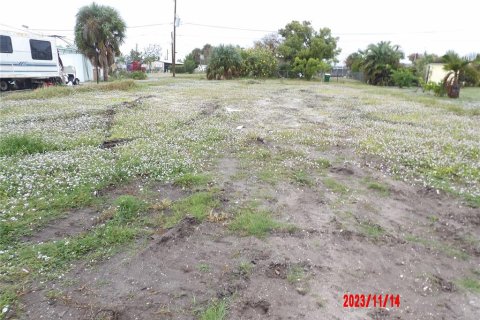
[135, 66]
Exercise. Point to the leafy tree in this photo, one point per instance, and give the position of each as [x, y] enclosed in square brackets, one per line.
[354, 61]
[151, 54]
[457, 66]
[135, 55]
[310, 67]
[301, 40]
[259, 62]
[414, 56]
[225, 63]
[99, 29]
[380, 60]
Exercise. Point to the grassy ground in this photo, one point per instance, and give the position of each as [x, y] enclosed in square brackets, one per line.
[53, 161]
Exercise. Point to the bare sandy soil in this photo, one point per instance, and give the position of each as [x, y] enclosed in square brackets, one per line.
[401, 239]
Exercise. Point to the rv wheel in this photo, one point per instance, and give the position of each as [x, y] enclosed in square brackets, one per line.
[76, 81]
[3, 85]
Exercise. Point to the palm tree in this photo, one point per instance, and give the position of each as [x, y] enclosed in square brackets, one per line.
[456, 66]
[99, 30]
[380, 60]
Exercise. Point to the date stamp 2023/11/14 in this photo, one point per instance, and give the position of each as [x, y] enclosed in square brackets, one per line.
[371, 300]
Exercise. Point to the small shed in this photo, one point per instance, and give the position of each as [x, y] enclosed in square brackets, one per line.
[71, 57]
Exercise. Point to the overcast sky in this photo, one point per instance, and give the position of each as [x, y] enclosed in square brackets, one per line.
[415, 25]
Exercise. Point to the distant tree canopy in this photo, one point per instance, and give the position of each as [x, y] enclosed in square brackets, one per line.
[206, 51]
[354, 61]
[99, 28]
[151, 54]
[197, 57]
[302, 41]
[135, 55]
[270, 42]
[297, 49]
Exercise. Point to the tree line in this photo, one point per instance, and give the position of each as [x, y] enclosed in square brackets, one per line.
[296, 50]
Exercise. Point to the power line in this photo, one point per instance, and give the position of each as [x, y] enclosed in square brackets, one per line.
[255, 30]
[394, 33]
[225, 27]
[150, 25]
[71, 30]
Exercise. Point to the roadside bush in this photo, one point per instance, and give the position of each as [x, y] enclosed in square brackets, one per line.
[180, 69]
[470, 77]
[138, 75]
[403, 78]
[259, 62]
[189, 65]
[285, 70]
[437, 88]
[124, 74]
[225, 63]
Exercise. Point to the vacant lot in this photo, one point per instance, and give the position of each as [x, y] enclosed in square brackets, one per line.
[193, 199]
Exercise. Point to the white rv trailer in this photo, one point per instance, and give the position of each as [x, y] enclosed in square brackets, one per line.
[28, 61]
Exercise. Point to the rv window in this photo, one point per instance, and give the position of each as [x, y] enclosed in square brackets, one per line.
[41, 50]
[6, 44]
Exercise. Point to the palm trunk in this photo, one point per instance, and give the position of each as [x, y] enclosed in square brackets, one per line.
[105, 67]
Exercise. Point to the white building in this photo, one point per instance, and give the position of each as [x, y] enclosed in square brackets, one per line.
[435, 72]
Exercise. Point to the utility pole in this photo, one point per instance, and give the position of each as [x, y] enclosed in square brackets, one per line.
[174, 35]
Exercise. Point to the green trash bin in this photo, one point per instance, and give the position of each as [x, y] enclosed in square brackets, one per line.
[326, 77]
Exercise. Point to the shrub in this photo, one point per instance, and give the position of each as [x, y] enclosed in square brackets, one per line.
[403, 78]
[437, 88]
[190, 62]
[189, 65]
[470, 77]
[138, 75]
[308, 68]
[285, 70]
[180, 69]
[259, 62]
[124, 74]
